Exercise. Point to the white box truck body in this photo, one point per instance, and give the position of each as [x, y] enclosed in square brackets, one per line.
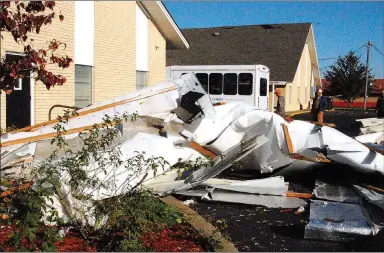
[230, 83]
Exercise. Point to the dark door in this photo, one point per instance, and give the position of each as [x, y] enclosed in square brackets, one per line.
[18, 103]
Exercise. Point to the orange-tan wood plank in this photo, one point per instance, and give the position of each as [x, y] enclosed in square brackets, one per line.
[100, 108]
[288, 139]
[48, 135]
[202, 150]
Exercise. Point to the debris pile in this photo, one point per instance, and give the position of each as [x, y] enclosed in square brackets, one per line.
[196, 141]
[372, 125]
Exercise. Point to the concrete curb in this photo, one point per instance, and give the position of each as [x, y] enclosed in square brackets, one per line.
[206, 229]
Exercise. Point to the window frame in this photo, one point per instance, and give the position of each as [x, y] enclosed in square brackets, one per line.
[266, 87]
[237, 84]
[209, 83]
[91, 95]
[203, 73]
[252, 83]
[141, 86]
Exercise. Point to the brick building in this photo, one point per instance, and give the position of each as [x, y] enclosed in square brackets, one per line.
[117, 47]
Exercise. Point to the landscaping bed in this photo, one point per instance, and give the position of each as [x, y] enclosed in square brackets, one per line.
[138, 222]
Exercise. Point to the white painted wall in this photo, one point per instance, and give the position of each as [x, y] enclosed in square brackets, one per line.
[141, 40]
[84, 32]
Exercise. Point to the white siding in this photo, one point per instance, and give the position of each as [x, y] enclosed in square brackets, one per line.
[306, 64]
[84, 32]
[141, 40]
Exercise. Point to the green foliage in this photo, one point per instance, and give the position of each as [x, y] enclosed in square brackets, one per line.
[186, 167]
[137, 213]
[347, 78]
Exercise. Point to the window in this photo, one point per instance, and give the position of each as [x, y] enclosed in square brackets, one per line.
[141, 79]
[83, 86]
[263, 87]
[290, 94]
[19, 84]
[230, 84]
[203, 79]
[245, 83]
[215, 83]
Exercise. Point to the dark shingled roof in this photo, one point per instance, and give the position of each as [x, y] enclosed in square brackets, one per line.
[277, 46]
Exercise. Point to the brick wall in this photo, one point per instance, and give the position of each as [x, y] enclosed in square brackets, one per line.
[62, 31]
[114, 70]
[115, 49]
[156, 55]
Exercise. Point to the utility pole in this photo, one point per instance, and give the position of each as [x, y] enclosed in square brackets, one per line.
[366, 76]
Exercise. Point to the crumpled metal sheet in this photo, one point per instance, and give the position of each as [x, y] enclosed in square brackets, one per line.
[371, 122]
[370, 195]
[335, 193]
[269, 186]
[372, 129]
[217, 195]
[371, 138]
[336, 222]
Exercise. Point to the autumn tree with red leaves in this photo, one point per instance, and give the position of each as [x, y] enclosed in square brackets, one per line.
[21, 19]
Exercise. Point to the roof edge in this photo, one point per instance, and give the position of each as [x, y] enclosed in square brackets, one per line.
[227, 26]
[159, 15]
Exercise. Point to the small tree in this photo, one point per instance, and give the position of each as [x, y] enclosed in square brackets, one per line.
[21, 19]
[347, 78]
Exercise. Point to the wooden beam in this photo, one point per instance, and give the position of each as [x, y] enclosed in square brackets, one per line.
[288, 139]
[31, 128]
[299, 195]
[48, 135]
[296, 156]
[311, 159]
[196, 146]
[219, 103]
[373, 188]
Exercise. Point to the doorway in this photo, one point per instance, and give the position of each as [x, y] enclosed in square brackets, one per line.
[18, 103]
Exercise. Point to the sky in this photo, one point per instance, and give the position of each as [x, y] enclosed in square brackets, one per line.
[338, 26]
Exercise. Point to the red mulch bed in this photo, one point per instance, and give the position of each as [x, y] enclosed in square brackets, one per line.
[354, 104]
[70, 243]
[180, 238]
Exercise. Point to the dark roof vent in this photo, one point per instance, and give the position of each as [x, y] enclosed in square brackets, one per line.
[269, 27]
[216, 34]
